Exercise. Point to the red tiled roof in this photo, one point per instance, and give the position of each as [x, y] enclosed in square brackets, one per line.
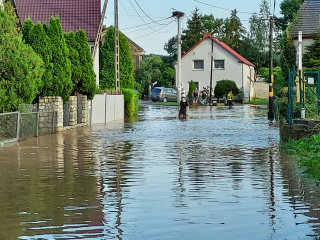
[223, 45]
[73, 14]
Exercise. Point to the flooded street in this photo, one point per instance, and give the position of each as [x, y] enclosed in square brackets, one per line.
[217, 175]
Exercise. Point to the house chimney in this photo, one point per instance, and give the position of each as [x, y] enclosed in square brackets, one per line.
[206, 35]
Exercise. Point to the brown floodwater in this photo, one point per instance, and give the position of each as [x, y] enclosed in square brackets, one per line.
[217, 175]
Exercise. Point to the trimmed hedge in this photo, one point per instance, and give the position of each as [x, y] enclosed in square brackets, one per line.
[224, 86]
[131, 101]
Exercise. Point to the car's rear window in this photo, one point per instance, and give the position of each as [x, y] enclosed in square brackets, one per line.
[156, 90]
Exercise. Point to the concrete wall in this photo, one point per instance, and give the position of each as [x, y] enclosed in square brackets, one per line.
[106, 108]
[73, 111]
[305, 43]
[261, 90]
[238, 72]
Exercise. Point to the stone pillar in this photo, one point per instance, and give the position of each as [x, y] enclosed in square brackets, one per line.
[73, 110]
[48, 105]
[85, 110]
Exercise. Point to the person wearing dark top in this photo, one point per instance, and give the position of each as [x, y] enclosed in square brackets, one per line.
[184, 108]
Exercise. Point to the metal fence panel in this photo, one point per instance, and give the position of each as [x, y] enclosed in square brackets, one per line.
[28, 125]
[79, 108]
[8, 126]
[66, 114]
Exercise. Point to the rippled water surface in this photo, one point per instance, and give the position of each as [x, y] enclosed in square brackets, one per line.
[217, 175]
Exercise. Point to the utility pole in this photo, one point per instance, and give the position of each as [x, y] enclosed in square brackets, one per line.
[116, 47]
[179, 15]
[271, 78]
[211, 73]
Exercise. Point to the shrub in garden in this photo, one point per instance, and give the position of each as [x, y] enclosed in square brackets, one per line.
[131, 101]
[192, 87]
[224, 86]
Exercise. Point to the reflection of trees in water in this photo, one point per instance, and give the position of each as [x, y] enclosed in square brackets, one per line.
[48, 184]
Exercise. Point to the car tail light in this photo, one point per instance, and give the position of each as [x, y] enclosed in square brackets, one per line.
[160, 94]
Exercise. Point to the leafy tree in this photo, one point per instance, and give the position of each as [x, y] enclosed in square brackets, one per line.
[212, 25]
[62, 83]
[192, 87]
[107, 78]
[20, 67]
[87, 82]
[167, 77]
[41, 44]
[256, 45]
[172, 48]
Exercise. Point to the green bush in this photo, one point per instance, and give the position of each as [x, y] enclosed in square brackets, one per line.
[192, 87]
[224, 86]
[131, 101]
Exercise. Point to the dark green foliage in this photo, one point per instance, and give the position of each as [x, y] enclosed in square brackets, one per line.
[87, 83]
[26, 28]
[61, 64]
[311, 59]
[131, 100]
[167, 77]
[224, 86]
[193, 34]
[192, 87]
[107, 79]
[20, 67]
[76, 70]
[288, 54]
[41, 44]
[289, 10]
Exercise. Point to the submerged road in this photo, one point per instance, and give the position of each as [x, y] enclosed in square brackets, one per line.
[217, 175]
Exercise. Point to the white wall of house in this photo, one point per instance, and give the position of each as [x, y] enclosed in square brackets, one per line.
[233, 70]
[305, 43]
[95, 62]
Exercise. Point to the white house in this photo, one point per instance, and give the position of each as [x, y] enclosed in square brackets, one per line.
[226, 64]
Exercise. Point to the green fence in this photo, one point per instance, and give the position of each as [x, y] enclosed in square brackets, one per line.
[310, 81]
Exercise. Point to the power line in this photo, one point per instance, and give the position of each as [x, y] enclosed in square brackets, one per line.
[146, 14]
[156, 31]
[145, 24]
[227, 9]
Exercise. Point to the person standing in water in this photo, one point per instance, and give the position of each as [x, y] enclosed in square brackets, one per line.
[230, 99]
[184, 108]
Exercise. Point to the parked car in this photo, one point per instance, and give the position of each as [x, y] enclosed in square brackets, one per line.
[164, 94]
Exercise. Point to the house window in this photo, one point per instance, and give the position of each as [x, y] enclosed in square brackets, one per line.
[219, 64]
[198, 64]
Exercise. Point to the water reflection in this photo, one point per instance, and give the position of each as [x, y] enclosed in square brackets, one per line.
[220, 173]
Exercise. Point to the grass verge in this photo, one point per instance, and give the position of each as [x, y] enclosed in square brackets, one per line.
[259, 101]
[306, 151]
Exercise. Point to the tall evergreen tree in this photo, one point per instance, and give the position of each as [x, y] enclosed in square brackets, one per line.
[41, 44]
[26, 28]
[87, 84]
[311, 59]
[234, 32]
[20, 67]
[107, 79]
[76, 70]
[193, 34]
[61, 64]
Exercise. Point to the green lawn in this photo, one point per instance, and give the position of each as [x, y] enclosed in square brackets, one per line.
[259, 101]
[166, 103]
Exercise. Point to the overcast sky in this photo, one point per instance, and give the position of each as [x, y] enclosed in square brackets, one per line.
[150, 25]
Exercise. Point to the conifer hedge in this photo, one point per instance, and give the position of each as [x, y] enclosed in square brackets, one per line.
[20, 67]
[107, 78]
